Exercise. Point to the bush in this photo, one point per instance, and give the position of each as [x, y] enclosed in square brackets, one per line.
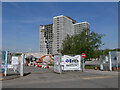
[92, 67]
[51, 64]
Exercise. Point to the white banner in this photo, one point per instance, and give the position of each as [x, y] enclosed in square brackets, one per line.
[71, 63]
[14, 60]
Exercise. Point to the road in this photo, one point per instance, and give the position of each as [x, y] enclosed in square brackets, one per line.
[41, 78]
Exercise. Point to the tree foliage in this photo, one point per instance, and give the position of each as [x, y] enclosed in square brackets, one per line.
[84, 42]
[106, 51]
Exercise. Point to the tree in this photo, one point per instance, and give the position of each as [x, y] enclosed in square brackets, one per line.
[84, 42]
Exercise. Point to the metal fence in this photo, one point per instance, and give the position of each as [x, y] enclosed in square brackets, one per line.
[110, 61]
[11, 63]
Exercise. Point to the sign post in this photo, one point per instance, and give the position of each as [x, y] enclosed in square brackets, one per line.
[83, 56]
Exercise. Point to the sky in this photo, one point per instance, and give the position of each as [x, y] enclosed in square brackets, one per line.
[21, 21]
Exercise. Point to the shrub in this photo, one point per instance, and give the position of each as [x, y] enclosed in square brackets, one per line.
[51, 64]
[92, 67]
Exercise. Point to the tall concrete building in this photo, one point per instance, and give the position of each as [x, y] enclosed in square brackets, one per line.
[52, 35]
[62, 26]
[46, 38]
[78, 27]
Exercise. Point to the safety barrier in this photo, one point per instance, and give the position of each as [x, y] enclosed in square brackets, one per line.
[41, 66]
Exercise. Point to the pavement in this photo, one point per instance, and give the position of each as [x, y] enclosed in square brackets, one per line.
[9, 77]
[102, 72]
[45, 78]
[35, 70]
[27, 70]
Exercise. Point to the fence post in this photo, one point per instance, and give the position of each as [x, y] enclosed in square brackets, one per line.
[22, 65]
[110, 63]
[6, 63]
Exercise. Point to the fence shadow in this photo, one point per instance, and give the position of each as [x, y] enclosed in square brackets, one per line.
[25, 74]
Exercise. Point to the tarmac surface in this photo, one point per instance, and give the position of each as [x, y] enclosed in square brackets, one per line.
[45, 78]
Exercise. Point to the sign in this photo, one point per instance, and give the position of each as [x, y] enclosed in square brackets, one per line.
[14, 60]
[57, 61]
[67, 60]
[71, 63]
[10, 66]
[83, 55]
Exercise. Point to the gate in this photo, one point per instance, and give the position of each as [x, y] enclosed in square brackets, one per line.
[57, 63]
[109, 62]
[63, 63]
[12, 63]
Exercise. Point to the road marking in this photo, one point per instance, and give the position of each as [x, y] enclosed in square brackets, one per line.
[88, 78]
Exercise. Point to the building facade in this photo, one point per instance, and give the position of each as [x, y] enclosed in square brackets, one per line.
[62, 26]
[52, 35]
[78, 27]
[46, 38]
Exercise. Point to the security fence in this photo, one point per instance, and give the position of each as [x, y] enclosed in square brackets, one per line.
[110, 61]
[12, 63]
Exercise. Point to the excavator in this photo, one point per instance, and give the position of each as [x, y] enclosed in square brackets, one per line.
[41, 59]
